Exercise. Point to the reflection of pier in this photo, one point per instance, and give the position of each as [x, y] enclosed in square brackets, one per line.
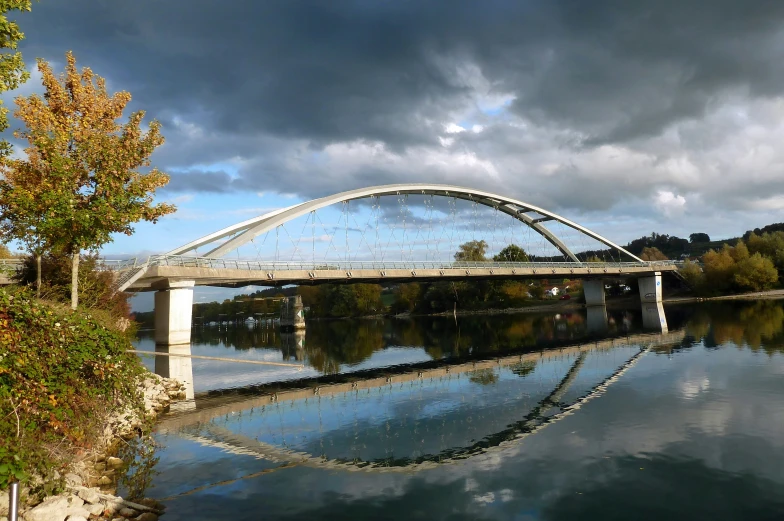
[533, 422]
[212, 405]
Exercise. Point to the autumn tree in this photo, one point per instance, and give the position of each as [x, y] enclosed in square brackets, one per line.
[472, 251]
[755, 273]
[85, 162]
[652, 254]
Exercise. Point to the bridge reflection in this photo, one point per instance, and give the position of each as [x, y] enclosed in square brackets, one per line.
[206, 426]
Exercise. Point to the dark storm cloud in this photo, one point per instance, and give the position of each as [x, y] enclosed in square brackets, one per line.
[196, 181]
[333, 71]
[270, 86]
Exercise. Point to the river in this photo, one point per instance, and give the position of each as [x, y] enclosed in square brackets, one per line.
[672, 413]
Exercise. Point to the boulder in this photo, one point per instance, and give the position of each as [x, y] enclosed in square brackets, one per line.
[147, 516]
[95, 509]
[114, 463]
[128, 512]
[90, 495]
[53, 509]
[74, 480]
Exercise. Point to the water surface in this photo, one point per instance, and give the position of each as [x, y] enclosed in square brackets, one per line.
[505, 417]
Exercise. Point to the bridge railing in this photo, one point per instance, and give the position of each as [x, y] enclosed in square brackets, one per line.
[248, 265]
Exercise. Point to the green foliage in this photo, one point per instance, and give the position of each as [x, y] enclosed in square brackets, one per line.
[350, 300]
[83, 176]
[97, 291]
[734, 269]
[512, 253]
[12, 69]
[699, 237]
[58, 371]
[755, 273]
[692, 273]
[472, 251]
[406, 297]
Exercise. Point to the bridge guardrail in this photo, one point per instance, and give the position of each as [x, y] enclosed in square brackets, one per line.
[222, 263]
[242, 264]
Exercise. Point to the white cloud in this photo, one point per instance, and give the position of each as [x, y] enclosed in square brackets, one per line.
[670, 204]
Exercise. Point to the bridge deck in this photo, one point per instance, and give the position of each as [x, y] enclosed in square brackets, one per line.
[231, 273]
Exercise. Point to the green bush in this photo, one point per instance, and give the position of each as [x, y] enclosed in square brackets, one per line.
[59, 372]
[96, 286]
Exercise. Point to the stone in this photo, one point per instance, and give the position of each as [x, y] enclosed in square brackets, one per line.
[100, 466]
[53, 509]
[74, 480]
[147, 516]
[75, 502]
[114, 463]
[77, 512]
[105, 480]
[95, 509]
[4, 502]
[128, 512]
[151, 503]
[90, 495]
[76, 518]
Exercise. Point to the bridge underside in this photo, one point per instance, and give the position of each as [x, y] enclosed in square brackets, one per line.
[157, 277]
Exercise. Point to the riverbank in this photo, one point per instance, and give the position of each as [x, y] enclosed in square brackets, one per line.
[90, 484]
[773, 294]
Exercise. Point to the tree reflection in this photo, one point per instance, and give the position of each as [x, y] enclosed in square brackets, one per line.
[758, 325]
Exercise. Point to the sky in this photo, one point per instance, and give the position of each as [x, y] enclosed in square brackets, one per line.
[628, 117]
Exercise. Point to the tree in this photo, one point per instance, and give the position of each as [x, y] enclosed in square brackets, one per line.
[472, 251]
[699, 237]
[719, 269]
[12, 69]
[84, 164]
[512, 253]
[755, 273]
[692, 274]
[652, 254]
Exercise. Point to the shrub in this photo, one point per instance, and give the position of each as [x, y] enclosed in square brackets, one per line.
[96, 289]
[58, 370]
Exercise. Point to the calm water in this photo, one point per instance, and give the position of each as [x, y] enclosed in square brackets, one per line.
[568, 416]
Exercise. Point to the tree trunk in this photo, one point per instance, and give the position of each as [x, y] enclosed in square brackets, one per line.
[74, 280]
[38, 275]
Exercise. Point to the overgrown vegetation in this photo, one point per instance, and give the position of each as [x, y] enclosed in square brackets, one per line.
[60, 372]
[97, 286]
[754, 265]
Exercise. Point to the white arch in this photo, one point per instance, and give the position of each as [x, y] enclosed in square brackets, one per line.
[245, 231]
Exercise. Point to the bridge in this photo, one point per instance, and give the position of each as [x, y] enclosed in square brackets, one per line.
[385, 234]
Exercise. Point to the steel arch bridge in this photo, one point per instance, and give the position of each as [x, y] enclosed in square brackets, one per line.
[216, 269]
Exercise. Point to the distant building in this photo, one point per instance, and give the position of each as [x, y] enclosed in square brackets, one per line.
[553, 292]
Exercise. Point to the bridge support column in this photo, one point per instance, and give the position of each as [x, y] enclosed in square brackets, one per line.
[173, 310]
[650, 288]
[593, 289]
[292, 314]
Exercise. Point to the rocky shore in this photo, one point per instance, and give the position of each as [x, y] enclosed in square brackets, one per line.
[89, 486]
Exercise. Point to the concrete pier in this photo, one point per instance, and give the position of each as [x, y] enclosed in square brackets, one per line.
[292, 314]
[173, 312]
[650, 288]
[593, 289]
